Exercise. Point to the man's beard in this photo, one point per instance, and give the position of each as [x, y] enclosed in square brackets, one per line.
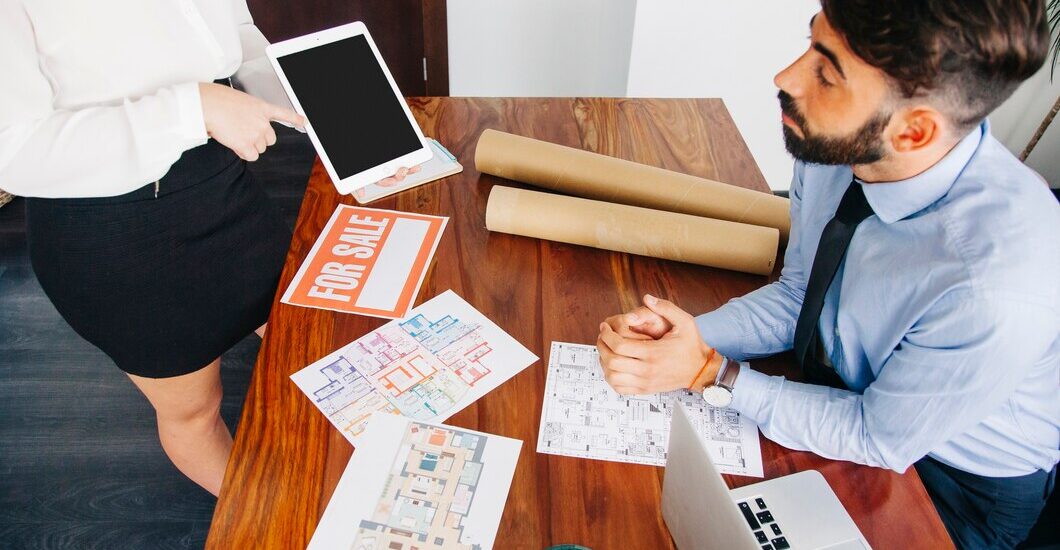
[863, 146]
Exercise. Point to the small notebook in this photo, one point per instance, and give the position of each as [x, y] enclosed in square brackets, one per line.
[441, 165]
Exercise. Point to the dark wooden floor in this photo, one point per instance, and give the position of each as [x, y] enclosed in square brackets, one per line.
[80, 462]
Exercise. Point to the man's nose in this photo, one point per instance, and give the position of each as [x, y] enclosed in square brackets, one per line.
[787, 82]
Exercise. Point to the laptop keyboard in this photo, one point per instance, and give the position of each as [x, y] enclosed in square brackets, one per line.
[765, 528]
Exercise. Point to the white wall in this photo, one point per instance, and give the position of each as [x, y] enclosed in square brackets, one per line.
[539, 48]
[1046, 155]
[731, 50]
[677, 48]
[1017, 119]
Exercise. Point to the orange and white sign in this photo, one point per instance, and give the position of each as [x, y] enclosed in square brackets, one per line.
[367, 261]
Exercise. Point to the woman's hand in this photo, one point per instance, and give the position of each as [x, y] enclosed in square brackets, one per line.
[391, 181]
[241, 122]
[397, 177]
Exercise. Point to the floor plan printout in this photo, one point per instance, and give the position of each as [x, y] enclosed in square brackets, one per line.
[583, 417]
[439, 359]
[415, 485]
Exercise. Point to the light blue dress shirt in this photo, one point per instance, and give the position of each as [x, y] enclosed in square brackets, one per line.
[944, 320]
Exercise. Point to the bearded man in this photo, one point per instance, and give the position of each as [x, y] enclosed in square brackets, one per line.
[919, 285]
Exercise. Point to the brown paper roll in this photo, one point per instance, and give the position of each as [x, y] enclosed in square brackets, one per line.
[622, 228]
[594, 176]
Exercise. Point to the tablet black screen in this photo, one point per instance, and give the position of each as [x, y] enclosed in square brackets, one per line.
[350, 104]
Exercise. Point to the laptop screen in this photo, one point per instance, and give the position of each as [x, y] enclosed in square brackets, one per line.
[696, 503]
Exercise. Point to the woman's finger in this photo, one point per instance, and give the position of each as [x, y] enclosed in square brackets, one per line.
[282, 114]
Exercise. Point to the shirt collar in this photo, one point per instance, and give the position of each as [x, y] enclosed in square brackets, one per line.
[893, 201]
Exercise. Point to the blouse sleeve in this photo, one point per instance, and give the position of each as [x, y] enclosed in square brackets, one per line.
[90, 152]
[255, 75]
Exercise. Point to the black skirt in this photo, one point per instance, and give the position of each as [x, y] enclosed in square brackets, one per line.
[168, 277]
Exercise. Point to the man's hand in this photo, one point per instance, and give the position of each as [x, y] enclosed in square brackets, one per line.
[640, 324]
[240, 121]
[637, 364]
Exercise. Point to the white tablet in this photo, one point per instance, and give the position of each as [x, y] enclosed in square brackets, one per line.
[359, 123]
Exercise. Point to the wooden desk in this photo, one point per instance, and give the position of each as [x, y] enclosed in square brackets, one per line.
[287, 458]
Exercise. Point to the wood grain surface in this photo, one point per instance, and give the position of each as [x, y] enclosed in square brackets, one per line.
[287, 458]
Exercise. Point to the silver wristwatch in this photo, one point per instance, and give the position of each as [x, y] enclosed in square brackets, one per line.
[720, 393]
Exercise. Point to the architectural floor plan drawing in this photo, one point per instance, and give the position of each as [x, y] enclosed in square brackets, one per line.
[583, 417]
[428, 366]
[415, 485]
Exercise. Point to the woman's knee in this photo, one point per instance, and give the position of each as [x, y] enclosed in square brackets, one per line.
[188, 398]
[202, 408]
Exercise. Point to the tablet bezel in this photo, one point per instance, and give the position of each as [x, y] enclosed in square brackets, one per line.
[327, 36]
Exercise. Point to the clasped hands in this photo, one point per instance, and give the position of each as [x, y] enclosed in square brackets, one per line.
[655, 348]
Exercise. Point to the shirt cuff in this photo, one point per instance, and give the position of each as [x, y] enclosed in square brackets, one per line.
[190, 122]
[721, 331]
[754, 393]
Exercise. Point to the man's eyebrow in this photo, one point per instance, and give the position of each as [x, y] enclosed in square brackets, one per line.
[831, 57]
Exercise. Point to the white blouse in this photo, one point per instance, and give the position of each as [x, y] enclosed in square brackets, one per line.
[99, 98]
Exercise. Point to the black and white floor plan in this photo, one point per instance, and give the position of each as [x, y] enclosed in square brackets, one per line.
[583, 417]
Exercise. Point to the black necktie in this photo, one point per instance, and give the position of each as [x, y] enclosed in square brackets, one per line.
[853, 208]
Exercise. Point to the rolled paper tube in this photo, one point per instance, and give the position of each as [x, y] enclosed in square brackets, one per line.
[623, 228]
[594, 176]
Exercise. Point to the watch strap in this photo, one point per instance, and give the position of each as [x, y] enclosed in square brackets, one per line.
[729, 371]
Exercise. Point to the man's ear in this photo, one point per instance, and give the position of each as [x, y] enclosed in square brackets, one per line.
[920, 128]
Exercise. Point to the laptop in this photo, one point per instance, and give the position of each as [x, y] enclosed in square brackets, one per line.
[796, 511]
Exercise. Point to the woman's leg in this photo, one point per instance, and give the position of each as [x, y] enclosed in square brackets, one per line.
[188, 409]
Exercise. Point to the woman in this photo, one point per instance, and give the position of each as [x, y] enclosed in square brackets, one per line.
[153, 242]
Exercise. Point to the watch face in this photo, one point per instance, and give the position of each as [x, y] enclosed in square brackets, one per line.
[717, 396]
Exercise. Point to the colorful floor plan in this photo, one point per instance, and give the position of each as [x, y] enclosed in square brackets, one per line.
[440, 359]
[428, 493]
[437, 488]
[583, 417]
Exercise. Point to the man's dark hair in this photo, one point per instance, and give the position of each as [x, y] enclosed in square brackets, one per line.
[971, 54]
